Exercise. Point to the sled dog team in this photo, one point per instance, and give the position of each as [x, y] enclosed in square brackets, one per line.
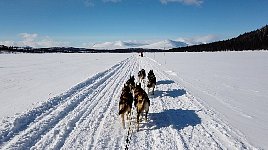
[141, 99]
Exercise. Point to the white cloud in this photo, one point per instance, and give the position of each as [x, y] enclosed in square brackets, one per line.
[187, 2]
[34, 40]
[199, 39]
[48, 42]
[28, 36]
[8, 43]
[28, 39]
[89, 3]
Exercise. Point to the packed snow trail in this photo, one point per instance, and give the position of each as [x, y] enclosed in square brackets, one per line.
[86, 117]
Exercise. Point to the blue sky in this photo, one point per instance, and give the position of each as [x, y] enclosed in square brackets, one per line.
[42, 23]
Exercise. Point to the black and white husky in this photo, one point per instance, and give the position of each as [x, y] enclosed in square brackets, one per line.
[151, 81]
[141, 75]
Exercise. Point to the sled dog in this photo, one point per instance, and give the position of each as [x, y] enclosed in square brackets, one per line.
[125, 103]
[141, 75]
[142, 103]
[151, 81]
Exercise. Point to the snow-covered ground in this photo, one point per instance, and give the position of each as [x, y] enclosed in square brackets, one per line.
[202, 101]
[29, 78]
[235, 84]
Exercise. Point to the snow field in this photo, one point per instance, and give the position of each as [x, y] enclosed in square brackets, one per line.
[28, 79]
[86, 117]
[233, 84]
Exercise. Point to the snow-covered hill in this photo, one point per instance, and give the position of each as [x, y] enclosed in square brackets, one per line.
[86, 116]
[116, 45]
[166, 44]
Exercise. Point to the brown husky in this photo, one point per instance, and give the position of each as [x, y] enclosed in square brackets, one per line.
[142, 102]
[125, 103]
[151, 81]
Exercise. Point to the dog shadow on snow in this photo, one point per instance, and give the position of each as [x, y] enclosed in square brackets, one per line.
[164, 82]
[172, 93]
[176, 118]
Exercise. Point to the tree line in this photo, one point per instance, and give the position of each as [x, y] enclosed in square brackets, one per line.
[12, 49]
[254, 40]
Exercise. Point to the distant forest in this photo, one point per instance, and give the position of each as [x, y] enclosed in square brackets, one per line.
[254, 40]
[12, 49]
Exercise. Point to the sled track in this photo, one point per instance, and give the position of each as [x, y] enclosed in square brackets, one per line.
[86, 117]
[21, 122]
[71, 97]
[50, 117]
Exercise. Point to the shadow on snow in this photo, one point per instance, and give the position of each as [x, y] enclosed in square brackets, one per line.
[164, 82]
[176, 118]
[173, 93]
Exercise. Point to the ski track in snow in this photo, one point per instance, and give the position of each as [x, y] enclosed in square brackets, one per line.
[86, 117]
